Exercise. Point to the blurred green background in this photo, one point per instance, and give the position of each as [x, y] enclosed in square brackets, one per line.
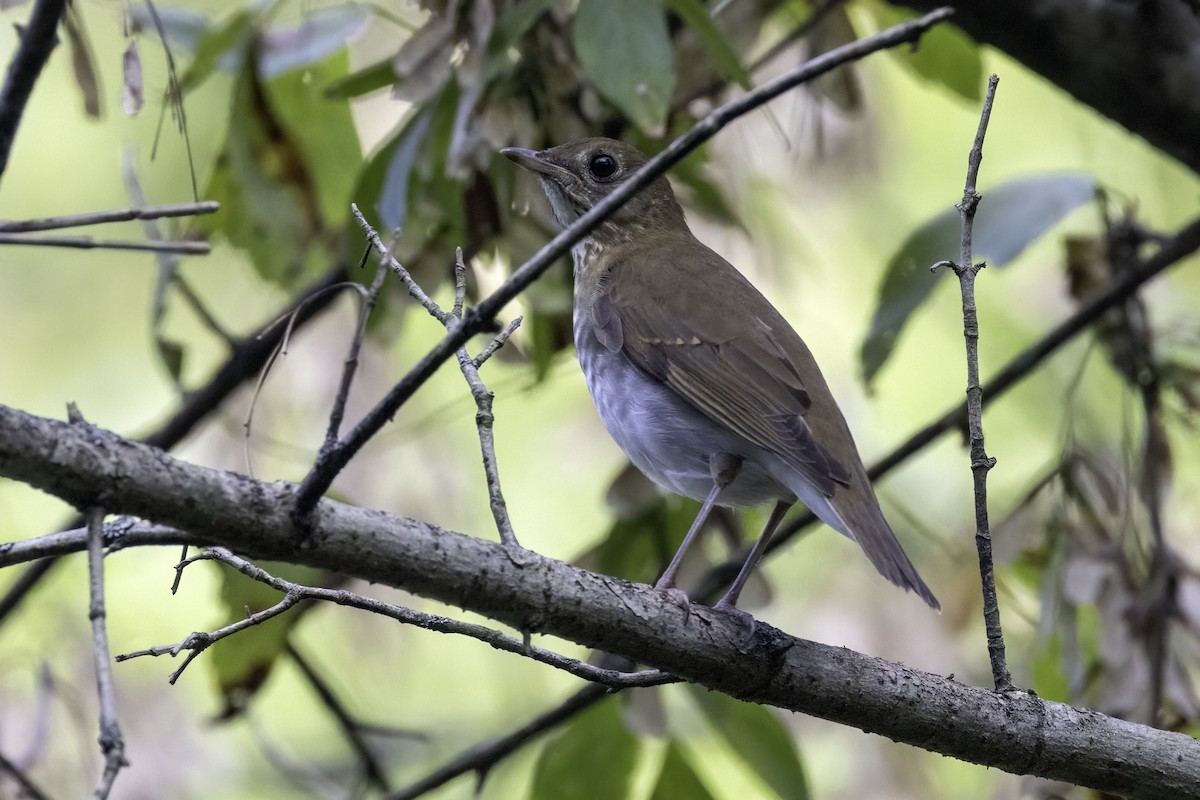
[814, 196]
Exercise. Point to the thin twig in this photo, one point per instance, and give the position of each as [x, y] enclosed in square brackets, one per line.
[28, 789]
[981, 463]
[37, 41]
[113, 215]
[482, 757]
[327, 467]
[374, 770]
[88, 243]
[112, 744]
[294, 593]
[369, 298]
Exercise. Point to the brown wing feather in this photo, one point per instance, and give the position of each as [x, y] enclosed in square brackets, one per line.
[691, 341]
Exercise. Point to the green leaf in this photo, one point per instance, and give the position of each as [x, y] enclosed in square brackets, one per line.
[638, 547]
[677, 780]
[696, 16]
[593, 757]
[757, 735]
[1009, 218]
[241, 664]
[297, 99]
[511, 26]
[944, 55]
[625, 50]
[268, 196]
[222, 46]
[323, 32]
[367, 79]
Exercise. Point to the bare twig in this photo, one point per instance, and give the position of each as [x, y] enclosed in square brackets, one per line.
[88, 243]
[28, 789]
[113, 215]
[112, 744]
[484, 418]
[480, 317]
[369, 298]
[374, 770]
[482, 757]
[294, 593]
[981, 463]
[37, 41]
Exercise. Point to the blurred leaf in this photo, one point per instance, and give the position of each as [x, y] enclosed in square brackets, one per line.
[182, 28]
[677, 780]
[423, 63]
[638, 547]
[241, 664]
[703, 193]
[512, 25]
[624, 48]
[1009, 218]
[269, 202]
[221, 46]
[757, 735]
[297, 99]
[171, 353]
[132, 92]
[83, 61]
[594, 756]
[696, 16]
[1046, 676]
[322, 33]
[367, 79]
[944, 55]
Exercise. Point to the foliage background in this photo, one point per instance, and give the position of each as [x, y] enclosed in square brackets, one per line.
[824, 199]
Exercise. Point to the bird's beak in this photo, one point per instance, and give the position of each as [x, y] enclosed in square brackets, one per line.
[531, 160]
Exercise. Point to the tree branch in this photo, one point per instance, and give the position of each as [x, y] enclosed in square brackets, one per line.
[88, 466]
[37, 42]
[1136, 63]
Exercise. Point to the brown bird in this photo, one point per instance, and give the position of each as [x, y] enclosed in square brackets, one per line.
[703, 384]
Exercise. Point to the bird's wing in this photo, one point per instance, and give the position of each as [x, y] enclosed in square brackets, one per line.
[681, 326]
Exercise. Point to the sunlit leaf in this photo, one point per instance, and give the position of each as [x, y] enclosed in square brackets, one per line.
[594, 756]
[757, 735]
[945, 55]
[625, 50]
[1009, 218]
[319, 35]
[678, 780]
[696, 16]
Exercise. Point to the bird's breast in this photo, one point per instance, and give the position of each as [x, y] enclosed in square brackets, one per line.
[663, 435]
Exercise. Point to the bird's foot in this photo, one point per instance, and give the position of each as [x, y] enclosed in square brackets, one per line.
[726, 606]
[679, 596]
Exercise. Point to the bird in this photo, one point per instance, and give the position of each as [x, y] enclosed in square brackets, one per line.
[698, 378]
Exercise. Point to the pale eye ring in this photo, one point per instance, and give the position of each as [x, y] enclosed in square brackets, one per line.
[602, 166]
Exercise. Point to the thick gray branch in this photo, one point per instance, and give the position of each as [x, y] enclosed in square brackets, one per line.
[1014, 732]
[1137, 63]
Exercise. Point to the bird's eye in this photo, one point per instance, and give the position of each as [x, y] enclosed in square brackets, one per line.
[602, 166]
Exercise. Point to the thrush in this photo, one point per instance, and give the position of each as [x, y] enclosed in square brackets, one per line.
[698, 378]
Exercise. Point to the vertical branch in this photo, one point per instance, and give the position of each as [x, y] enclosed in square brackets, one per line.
[37, 42]
[981, 463]
[112, 744]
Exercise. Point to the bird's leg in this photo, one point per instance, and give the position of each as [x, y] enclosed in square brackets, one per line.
[729, 601]
[725, 468]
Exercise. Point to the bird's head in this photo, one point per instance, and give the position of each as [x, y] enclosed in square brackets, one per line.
[578, 175]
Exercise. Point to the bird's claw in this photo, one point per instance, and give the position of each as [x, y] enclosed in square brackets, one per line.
[723, 605]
